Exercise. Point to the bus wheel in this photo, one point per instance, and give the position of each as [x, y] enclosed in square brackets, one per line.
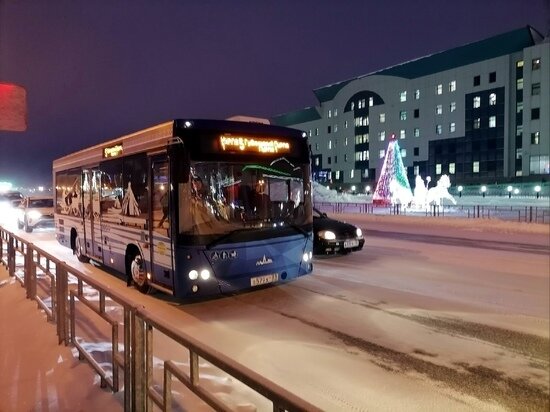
[137, 270]
[78, 250]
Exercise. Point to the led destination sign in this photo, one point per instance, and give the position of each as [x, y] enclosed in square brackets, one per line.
[254, 145]
[112, 151]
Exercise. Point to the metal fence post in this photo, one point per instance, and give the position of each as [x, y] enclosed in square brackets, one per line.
[139, 385]
[30, 272]
[11, 255]
[61, 307]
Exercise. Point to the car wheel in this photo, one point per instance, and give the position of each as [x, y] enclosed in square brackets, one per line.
[138, 273]
[28, 228]
[78, 247]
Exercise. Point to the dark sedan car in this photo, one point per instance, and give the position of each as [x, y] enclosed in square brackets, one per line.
[333, 236]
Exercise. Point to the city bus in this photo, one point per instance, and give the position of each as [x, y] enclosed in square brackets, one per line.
[191, 207]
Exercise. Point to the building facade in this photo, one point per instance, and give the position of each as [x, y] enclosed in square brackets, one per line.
[478, 113]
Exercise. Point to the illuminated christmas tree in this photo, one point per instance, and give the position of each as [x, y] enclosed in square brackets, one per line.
[393, 184]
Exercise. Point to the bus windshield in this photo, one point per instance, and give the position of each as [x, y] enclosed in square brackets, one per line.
[221, 199]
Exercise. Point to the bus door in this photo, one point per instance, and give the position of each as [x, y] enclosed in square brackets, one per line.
[91, 184]
[161, 245]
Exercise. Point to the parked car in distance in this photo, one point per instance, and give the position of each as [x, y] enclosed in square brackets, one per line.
[331, 236]
[35, 212]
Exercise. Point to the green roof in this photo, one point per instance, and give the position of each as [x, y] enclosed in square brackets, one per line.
[297, 117]
[500, 45]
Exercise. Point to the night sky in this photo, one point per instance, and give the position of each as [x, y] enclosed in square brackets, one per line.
[97, 69]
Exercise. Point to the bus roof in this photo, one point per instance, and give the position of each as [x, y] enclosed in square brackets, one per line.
[159, 136]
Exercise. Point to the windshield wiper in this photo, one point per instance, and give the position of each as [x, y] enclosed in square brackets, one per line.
[225, 236]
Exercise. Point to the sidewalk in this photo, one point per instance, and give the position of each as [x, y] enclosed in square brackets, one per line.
[37, 374]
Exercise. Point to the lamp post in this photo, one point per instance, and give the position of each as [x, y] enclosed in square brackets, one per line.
[509, 189]
[537, 190]
[460, 189]
[367, 189]
[483, 190]
[353, 189]
[516, 191]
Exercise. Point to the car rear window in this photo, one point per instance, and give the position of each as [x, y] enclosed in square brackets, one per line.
[41, 203]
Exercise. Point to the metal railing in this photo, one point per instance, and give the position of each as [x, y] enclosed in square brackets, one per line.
[527, 214]
[41, 273]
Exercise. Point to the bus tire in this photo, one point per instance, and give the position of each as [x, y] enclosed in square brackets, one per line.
[136, 268]
[77, 250]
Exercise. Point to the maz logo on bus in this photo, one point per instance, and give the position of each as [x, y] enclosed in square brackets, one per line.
[251, 144]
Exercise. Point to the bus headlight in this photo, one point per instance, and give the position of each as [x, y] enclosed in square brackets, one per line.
[359, 232]
[205, 274]
[327, 235]
[193, 275]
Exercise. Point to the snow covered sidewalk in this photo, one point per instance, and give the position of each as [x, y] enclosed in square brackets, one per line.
[37, 374]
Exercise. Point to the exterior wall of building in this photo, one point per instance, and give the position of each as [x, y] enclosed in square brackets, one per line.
[466, 122]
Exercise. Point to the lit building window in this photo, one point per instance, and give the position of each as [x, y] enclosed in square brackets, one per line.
[438, 168]
[439, 109]
[439, 89]
[403, 115]
[316, 161]
[477, 123]
[536, 64]
[371, 101]
[381, 153]
[382, 136]
[492, 99]
[451, 168]
[337, 174]
[345, 141]
[335, 127]
[382, 117]
[452, 127]
[519, 153]
[519, 84]
[316, 131]
[416, 170]
[539, 165]
[416, 132]
[403, 96]
[452, 86]
[335, 112]
[416, 94]
[535, 137]
[519, 107]
[519, 173]
[330, 144]
[365, 173]
[403, 152]
[519, 130]
[519, 63]
[452, 107]
[438, 129]
[351, 173]
[345, 124]
[402, 134]
[329, 113]
[317, 146]
[477, 102]
[352, 105]
[492, 121]
[475, 167]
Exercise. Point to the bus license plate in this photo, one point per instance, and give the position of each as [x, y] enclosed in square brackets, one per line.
[265, 279]
[351, 243]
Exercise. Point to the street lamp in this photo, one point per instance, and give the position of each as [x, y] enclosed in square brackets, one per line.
[537, 190]
[509, 188]
[460, 189]
[353, 189]
[516, 191]
[367, 189]
[483, 190]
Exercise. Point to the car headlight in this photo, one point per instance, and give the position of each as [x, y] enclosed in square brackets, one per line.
[327, 234]
[34, 214]
[359, 232]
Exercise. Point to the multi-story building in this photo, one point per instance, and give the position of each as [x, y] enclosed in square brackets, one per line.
[479, 113]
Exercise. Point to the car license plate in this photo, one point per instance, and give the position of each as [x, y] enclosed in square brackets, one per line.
[351, 243]
[265, 279]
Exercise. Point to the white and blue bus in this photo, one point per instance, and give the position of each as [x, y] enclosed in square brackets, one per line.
[193, 208]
